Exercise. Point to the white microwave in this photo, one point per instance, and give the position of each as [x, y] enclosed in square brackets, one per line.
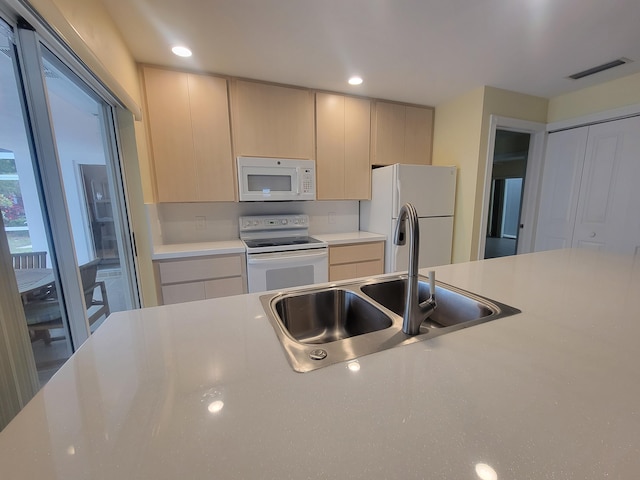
[263, 179]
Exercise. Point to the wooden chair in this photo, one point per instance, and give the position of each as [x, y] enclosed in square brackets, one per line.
[29, 260]
[43, 316]
[88, 274]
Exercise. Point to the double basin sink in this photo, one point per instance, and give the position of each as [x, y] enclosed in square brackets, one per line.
[321, 326]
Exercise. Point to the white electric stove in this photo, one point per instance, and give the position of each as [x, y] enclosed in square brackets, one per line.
[281, 254]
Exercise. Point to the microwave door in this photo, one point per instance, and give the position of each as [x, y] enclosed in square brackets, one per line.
[271, 179]
[269, 184]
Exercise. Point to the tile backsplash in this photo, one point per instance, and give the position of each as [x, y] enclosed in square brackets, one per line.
[171, 223]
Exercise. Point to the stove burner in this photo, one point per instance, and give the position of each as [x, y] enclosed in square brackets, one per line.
[280, 242]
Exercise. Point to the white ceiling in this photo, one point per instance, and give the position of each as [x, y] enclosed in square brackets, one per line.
[419, 51]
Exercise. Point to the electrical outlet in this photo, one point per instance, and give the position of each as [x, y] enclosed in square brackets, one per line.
[201, 223]
[332, 217]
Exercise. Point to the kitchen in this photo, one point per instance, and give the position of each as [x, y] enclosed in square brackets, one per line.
[462, 250]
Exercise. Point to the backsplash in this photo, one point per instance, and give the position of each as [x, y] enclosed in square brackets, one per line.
[209, 222]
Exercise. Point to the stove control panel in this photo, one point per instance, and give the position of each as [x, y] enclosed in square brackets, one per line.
[273, 222]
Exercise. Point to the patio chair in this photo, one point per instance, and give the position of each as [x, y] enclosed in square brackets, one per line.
[43, 316]
[29, 260]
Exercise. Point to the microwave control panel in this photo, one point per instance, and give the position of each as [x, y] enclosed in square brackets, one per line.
[307, 181]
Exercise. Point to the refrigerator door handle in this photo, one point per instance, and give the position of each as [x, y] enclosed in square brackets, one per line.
[396, 202]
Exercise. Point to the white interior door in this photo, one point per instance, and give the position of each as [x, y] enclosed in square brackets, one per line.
[607, 215]
[562, 172]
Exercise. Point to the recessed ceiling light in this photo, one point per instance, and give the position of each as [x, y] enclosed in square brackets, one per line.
[355, 81]
[181, 51]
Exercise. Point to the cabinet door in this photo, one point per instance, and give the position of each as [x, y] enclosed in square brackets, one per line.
[560, 189]
[388, 134]
[357, 166]
[607, 214]
[401, 134]
[272, 121]
[183, 292]
[342, 161]
[215, 172]
[169, 129]
[224, 287]
[355, 260]
[188, 118]
[418, 135]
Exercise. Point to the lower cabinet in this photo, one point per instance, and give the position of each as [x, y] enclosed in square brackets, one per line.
[186, 280]
[355, 260]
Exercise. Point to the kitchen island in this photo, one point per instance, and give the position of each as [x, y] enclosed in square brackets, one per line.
[203, 390]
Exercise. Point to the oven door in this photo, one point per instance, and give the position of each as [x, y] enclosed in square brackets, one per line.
[275, 271]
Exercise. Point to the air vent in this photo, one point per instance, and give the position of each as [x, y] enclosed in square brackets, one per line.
[599, 68]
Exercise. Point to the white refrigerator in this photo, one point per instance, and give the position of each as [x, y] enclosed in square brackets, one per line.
[431, 189]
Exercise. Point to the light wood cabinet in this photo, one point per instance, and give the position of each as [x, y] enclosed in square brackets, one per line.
[186, 280]
[190, 136]
[401, 134]
[271, 120]
[355, 260]
[342, 153]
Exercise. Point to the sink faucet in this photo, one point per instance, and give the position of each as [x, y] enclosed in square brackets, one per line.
[414, 312]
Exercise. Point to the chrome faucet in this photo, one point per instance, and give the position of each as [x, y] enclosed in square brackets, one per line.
[414, 312]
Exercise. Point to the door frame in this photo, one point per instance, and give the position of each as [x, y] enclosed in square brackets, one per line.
[528, 209]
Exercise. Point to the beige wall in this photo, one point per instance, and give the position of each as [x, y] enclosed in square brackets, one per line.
[456, 141]
[89, 30]
[461, 135]
[503, 103]
[598, 98]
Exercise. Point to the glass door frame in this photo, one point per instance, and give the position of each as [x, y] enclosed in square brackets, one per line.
[30, 45]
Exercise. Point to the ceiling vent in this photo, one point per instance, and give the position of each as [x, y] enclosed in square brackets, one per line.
[599, 68]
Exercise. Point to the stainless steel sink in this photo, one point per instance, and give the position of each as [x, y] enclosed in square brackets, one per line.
[328, 315]
[454, 307]
[320, 326]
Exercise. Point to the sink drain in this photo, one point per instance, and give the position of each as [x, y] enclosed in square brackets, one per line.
[318, 354]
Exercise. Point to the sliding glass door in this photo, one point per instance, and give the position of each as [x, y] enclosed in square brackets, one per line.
[62, 198]
[83, 132]
[25, 221]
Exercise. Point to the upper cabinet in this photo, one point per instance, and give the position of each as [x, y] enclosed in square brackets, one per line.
[198, 123]
[342, 154]
[401, 134]
[190, 136]
[271, 120]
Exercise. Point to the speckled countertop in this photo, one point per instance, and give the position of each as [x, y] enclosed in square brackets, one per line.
[203, 390]
[350, 237]
[200, 249]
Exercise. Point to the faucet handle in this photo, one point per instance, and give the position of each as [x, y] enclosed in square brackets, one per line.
[432, 283]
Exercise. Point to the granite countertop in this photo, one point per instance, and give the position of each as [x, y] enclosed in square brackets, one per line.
[203, 390]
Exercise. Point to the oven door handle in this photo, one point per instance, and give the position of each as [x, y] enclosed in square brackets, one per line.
[282, 256]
